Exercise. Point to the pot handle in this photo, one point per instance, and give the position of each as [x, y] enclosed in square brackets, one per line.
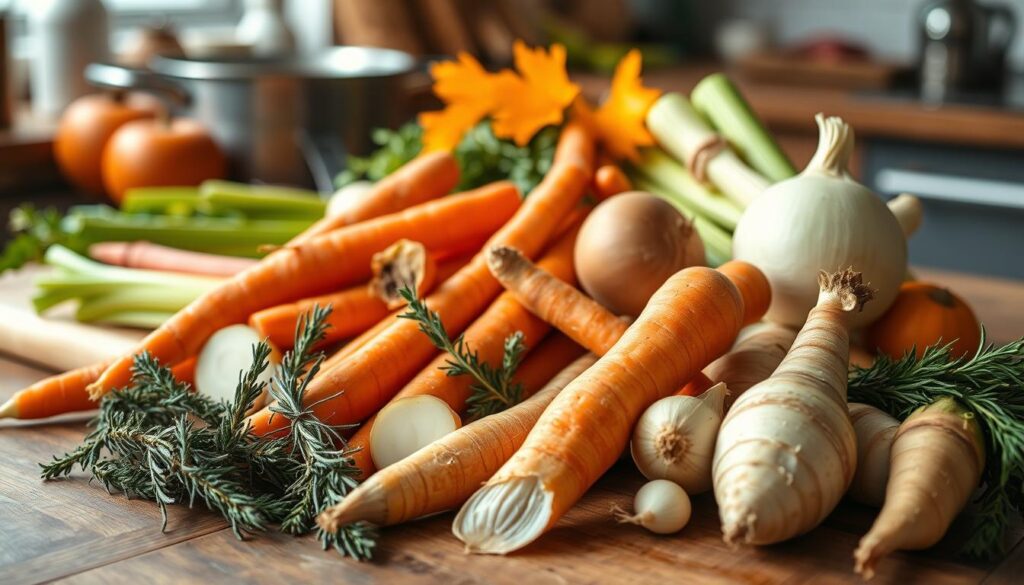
[325, 156]
[118, 77]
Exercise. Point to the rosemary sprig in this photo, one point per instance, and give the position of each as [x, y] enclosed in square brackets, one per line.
[990, 384]
[160, 441]
[493, 390]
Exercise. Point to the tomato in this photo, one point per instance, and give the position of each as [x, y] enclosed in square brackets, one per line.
[86, 126]
[159, 152]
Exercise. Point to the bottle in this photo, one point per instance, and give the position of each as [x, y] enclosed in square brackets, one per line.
[66, 35]
[264, 29]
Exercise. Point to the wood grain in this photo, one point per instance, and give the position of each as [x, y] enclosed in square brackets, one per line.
[72, 530]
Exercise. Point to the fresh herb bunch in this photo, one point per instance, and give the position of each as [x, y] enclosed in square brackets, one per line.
[33, 230]
[494, 390]
[483, 158]
[990, 385]
[159, 440]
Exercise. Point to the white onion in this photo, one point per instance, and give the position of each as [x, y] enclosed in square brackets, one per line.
[822, 220]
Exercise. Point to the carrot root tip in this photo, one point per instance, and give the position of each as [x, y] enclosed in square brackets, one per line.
[866, 557]
[504, 517]
[9, 409]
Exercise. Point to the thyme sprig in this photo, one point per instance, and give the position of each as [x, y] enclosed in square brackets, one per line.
[493, 390]
[989, 384]
[159, 440]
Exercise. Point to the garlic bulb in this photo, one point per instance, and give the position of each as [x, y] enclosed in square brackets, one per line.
[659, 506]
[822, 220]
[675, 438]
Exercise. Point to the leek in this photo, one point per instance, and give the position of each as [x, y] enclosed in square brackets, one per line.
[672, 177]
[722, 103]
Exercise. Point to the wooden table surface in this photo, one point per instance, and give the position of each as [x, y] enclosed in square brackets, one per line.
[72, 530]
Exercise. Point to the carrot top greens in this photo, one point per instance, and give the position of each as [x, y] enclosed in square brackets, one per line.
[160, 441]
[990, 386]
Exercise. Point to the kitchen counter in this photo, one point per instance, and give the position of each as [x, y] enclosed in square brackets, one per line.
[873, 114]
[73, 531]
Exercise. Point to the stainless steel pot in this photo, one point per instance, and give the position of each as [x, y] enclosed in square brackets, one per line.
[289, 121]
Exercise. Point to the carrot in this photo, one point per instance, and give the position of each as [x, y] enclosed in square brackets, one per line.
[545, 360]
[576, 147]
[486, 336]
[692, 319]
[937, 459]
[444, 474]
[65, 393]
[354, 310]
[156, 257]
[328, 262]
[609, 180]
[375, 372]
[581, 318]
[426, 177]
[786, 452]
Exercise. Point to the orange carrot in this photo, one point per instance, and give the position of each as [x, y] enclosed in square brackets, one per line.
[576, 147]
[609, 180]
[374, 373]
[692, 319]
[156, 257]
[544, 361]
[354, 310]
[486, 336]
[581, 318]
[426, 177]
[445, 473]
[66, 392]
[570, 311]
[324, 263]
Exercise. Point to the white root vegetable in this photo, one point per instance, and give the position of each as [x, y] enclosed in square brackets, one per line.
[875, 432]
[409, 424]
[682, 131]
[758, 350]
[346, 197]
[675, 439]
[225, 355]
[820, 220]
[787, 451]
[908, 212]
[938, 456]
[660, 506]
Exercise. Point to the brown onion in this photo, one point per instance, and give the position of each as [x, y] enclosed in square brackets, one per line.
[629, 246]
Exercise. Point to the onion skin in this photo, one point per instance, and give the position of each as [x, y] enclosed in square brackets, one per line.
[821, 221]
[629, 246]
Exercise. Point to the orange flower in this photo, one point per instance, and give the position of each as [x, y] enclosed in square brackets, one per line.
[537, 97]
[619, 122]
[470, 94]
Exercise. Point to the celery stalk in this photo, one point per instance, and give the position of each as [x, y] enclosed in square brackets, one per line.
[132, 299]
[78, 277]
[202, 234]
[717, 241]
[722, 103]
[161, 200]
[137, 319]
[673, 177]
[262, 201]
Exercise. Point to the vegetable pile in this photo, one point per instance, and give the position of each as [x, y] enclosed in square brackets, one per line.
[495, 350]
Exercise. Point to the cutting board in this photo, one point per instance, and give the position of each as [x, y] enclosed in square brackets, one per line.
[55, 342]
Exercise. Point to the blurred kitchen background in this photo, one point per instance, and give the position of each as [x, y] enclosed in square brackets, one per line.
[932, 87]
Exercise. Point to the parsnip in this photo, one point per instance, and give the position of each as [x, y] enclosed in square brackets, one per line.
[875, 432]
[937, 459]
[787, 451]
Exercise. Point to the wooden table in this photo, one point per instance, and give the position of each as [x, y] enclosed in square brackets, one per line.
[73, 530]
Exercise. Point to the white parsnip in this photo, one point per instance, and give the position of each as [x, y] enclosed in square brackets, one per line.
[787, 451]
[937, 459]
[875, 432]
